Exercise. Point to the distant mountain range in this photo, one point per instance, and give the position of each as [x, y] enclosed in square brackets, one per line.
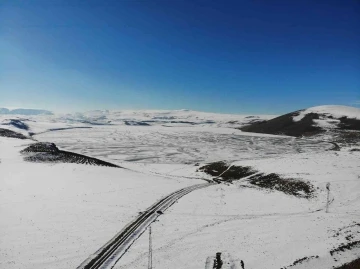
[25, 111]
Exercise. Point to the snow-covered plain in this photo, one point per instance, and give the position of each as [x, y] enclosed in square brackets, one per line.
[158, 144]
[265, 229]
[55, 215]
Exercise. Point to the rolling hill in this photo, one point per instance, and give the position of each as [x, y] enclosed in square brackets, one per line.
[310, 122]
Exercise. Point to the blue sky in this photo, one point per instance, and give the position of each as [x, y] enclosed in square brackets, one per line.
[241, 56]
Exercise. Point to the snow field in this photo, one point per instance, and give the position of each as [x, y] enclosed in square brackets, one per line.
[58, 214]
[263, 228]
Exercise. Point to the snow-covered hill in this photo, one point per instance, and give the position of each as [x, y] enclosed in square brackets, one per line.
[311, 121]
[331, 111]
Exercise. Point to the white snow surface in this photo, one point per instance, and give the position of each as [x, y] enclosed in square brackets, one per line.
[331, 110]
[56, 215]
[266, 229]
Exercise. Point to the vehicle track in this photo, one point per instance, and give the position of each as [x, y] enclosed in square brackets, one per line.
[109, 254]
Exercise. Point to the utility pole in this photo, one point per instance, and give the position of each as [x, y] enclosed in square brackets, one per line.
[327, 197]
[150, 250]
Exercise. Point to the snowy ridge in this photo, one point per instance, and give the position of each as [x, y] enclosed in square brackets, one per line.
[25, 111]
[331, 110]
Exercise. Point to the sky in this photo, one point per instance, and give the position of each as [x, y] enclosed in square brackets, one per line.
[244, 56]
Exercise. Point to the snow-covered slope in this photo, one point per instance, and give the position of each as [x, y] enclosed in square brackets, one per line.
[332, 111]
[310, 122]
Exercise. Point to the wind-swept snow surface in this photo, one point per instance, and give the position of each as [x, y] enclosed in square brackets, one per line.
[176, 145]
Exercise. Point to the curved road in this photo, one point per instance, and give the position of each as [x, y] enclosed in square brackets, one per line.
[108, 255]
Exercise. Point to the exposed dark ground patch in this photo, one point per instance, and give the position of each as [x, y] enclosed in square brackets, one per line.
[352, 265]
[136, 123]
[349, 124]
[18, 124]
[49, 153]
[344, 247]
[346, 137]
[289, 186]
[183, 122]
[284, 125]
[94, 122]
[233, 173]
[12, 134]
[178, 121]
[41, 147]
[300, 261]
[68, 128]
[223, 172]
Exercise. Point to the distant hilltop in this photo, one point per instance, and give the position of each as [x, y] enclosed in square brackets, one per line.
[310, 121]
[25, 111]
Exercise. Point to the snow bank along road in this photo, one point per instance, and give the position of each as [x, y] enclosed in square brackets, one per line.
[108, 255]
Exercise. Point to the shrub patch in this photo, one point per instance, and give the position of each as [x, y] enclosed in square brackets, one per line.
[223, 172]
